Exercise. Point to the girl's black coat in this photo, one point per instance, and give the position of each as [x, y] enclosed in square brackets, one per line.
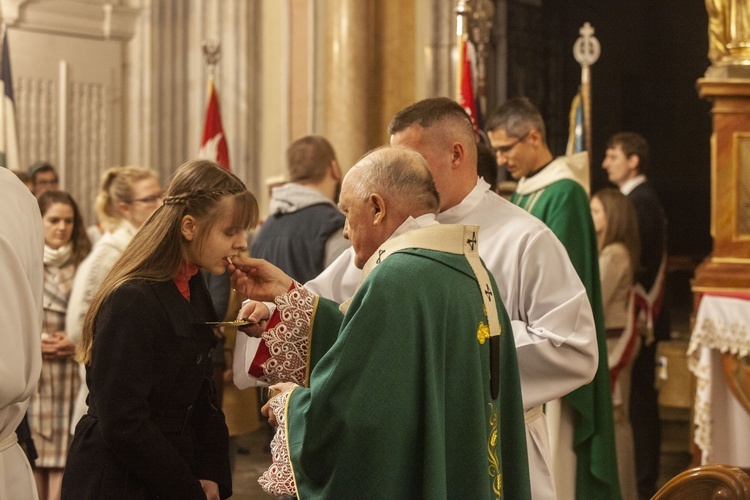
[154, 426]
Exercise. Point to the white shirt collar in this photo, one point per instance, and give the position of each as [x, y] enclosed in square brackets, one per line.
[412, 223]
[457, 213]
[633, 183]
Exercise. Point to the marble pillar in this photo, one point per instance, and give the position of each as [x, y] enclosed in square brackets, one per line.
[349, 89]
[369, 61]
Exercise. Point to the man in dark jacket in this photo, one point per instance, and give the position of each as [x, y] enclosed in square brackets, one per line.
[626, 162]
[303, 232]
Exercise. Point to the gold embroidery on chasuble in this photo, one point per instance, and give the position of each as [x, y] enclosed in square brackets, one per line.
[494, 468]
[483, 333]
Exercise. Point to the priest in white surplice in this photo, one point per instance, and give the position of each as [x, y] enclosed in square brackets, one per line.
[550, 313]
[21, 273]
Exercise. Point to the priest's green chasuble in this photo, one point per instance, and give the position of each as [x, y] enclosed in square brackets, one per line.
[564, 207]
[399, 402]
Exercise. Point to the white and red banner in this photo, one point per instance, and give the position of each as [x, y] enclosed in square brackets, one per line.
[214, 142]
[466, 87]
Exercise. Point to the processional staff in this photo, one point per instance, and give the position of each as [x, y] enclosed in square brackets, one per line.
[586, 51]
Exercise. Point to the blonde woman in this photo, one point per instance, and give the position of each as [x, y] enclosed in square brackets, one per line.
[65, 246]
[154, 428]
[127, 197]
[616, 229]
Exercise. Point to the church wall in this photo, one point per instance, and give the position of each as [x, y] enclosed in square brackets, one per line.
[134, 79]
[67, 68]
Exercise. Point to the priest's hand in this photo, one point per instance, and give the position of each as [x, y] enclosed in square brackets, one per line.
[257, 313]
[277, 390]
[258, 279]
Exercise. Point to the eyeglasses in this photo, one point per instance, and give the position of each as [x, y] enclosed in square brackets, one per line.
[506, 149]
[46, 182]
[149, 199]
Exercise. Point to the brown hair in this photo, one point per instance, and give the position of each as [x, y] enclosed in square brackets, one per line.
[308, 157]
[40, 167]
[428, 112]
[622, 224]
[631, 144]
[444, 121]
[79, 238]
[116, 187]
[156, 251]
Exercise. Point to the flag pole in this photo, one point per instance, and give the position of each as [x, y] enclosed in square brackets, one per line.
[214, 143]
[462, 35]
[586, 51]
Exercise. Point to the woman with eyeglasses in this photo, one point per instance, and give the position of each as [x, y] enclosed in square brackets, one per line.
[127, 197]
[65, 246]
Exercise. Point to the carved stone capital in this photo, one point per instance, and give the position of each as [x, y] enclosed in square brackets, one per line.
[93, 19]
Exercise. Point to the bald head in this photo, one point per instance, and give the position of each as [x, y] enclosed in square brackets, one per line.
[380, 192]
[400, 176]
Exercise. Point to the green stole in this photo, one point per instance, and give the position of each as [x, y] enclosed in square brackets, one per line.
[564, 207]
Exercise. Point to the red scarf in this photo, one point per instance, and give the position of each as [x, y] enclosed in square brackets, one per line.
[186, 271]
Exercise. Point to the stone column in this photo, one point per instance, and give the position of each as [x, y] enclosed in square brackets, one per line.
[368, 56]
[399, 57]
[350, 93]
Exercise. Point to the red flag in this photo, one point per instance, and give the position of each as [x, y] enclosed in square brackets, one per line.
[214, 143]
[466, 81]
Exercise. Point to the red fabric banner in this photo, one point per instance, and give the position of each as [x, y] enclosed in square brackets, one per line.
[214, 143]
[466, 83]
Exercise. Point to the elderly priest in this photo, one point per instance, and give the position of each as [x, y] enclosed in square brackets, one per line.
[411, 388]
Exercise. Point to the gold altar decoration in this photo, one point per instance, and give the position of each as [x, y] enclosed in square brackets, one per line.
[728, 36]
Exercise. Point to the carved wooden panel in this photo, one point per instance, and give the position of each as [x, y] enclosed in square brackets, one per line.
[728, 266]
[742, 165]
[37, 119]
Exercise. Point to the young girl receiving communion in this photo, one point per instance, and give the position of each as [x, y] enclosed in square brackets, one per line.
[154, 428]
